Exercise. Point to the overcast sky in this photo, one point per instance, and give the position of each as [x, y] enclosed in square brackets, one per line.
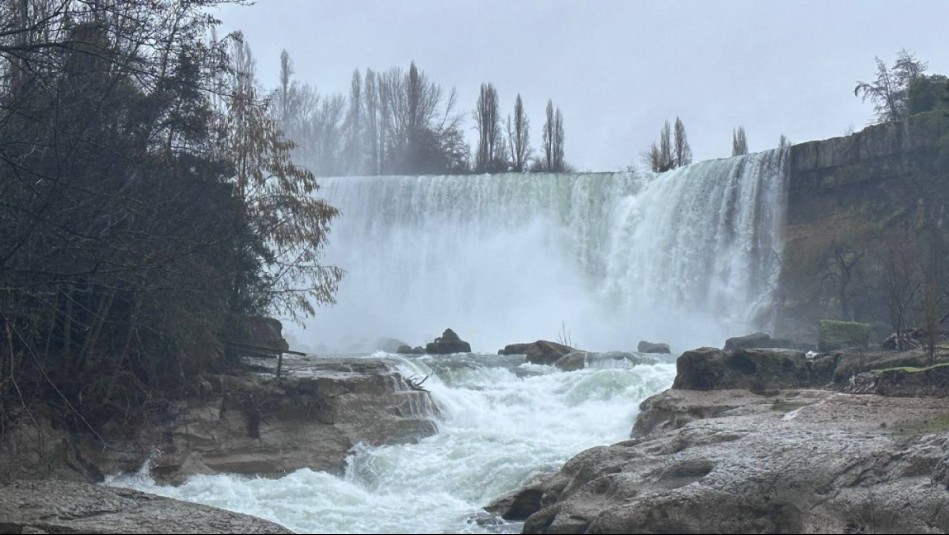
[616, 69]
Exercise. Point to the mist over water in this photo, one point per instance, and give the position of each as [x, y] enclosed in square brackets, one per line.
[687, 257]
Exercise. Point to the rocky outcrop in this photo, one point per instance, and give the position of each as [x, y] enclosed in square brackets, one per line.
[408, 350]
[245, 424]
[758, 341]
[544, 352]
[514, 349]
[578, 360]
[836, 335]
[69, 507]
[447, 343]
[798, 461]
[708, 368]
[903, 382]
[850, 200]
[650, 347]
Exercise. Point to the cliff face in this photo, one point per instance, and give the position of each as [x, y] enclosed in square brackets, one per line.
[856, 206]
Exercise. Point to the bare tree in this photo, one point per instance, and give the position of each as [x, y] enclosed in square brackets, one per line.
[519, 137]
[487, 121]
[354, 149]
[371, 99]
[683, 152]
[559, 164]
[890, 91]
[549, 138]
[661, 155]
[784, 142]
[739, 142]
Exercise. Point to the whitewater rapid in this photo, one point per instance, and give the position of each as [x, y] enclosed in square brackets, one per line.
[500, 420]
[689, 257]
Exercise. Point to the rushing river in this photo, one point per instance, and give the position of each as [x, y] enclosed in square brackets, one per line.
[500, 421]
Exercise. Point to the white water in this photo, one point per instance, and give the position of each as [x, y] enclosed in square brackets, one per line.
[500, 421]
[686, 257]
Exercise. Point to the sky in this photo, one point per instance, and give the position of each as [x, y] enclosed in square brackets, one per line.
[616, 69]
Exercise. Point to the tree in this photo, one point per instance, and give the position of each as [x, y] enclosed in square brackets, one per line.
[739, 142]
[890, 91]
[354, 152]
[487, 121]
[519, 137]
[549, 138]
[926, 93]
[371, 99]
[661, 157]
[683, 153]
[560, 165]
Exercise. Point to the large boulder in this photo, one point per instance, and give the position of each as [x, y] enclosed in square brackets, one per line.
[69, 507]
[243, 424]
[578, 360]
[756, 341]
[842, 334]
[262, 333]
[708, 368]
[514, 349]
[650, 347]
[544, 352]
[797, 461]
[447, 343]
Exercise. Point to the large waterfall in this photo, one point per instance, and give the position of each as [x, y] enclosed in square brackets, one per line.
[687, 257]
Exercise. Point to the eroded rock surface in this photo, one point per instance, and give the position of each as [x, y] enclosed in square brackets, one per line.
[70, 507]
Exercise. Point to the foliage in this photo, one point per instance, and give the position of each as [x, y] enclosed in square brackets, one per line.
[146, 201]
[891, 89]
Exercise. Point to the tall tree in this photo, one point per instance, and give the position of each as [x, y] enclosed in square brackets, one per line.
[662, 156]
[549, 138]
[488, 122]
[890, 91]
[739, 142]
[354, 149]
[519, 137]
[683, 152]
[559, 164]
[371, 99]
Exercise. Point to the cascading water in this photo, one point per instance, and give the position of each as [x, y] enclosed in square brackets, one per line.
[688, 257]
[500, 420]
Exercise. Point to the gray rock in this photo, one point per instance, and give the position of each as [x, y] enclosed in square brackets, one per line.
[248, 424]
[447, 343]
[514, 349]
[577, 360]
[798, 461]
[544, 352]
[758, 341]
[650, 347]
[709, 368]
[69, 507]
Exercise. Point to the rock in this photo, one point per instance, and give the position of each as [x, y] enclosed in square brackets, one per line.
[709, 368]
[523, 502]
[263, 332]
[842, 335]
[649, 347]
[69, 507]
[544, 352]
[514, 349]
[447, 343]
[758, 341]
[406, 350]
[577, 360]
[250, 424]
[389, 345]
[912, 339]
[799, 461]
[905, 381]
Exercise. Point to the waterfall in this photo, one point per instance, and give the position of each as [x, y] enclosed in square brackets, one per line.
[687, 257]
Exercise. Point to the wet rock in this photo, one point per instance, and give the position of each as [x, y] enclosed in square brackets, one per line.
[795, 461]
[447, 343]
[709, 368]
[544, 352]
[650, 347]
[69, 507]
[514, 349]
[758, 341]
[523, 502]
[577, 360]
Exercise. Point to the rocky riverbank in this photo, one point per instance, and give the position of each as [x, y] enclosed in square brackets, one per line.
[250, 423]
[70, 507]
[770, 442]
